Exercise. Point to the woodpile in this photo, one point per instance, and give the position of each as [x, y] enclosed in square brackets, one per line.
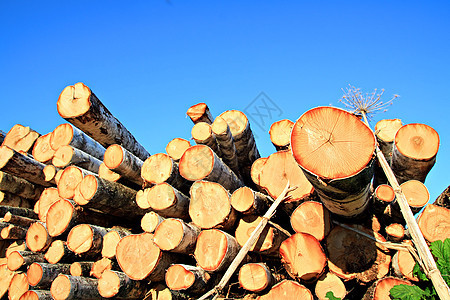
[88, 213]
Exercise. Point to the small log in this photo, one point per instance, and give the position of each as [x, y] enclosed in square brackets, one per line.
[19, 186]
[22, 166]
[385, 131]
[414, 152]
[380, 289]
[202, 134]
[174, 235]
[13, 232]
[68, 155]
[210, 206]
[140, 258]
[81, 268]
[443, 199]
[48, 197]
[105, 173]
[111, 239]
[20, 259]
[200, 113]
[123, 162]
[226, 144]
[79, 106]
[50, 172]
[8, 199]
[18, 245]
[303, 257]
[59, 252]
[280, 134]
[86, 239]
[201, 163]
[19, 211]
[18, 220]
[313, 218]
[18, 286]
[103, 265]
[186, 278]
[142, 198]
[38, 239]
[69, 135]
[395, 232]
[256, 277]
[382, 197]
[176, 148]
[74, 287]
[249, 202]
[120, 286]
[336, 152]
[42, 151]
[70, 178]
[20, 138]
[167, 201]
[215, 250]
[41, 275]
[403, 265]
[255, 171]
[434, 223]
[37, 295]
[288, 290]
[416, 194]
[150, 221]
[6, 276]
[330, 282]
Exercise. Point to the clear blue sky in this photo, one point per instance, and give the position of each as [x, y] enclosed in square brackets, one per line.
[148, 61]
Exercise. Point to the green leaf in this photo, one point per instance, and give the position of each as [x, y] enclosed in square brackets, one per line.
[408, 292]
[331, 296]
[437, 248]
[417, 271]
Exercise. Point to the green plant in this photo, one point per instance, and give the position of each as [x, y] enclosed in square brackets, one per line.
[331, 296]
[424, 288]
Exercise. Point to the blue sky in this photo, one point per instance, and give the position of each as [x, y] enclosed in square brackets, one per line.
[148, 61]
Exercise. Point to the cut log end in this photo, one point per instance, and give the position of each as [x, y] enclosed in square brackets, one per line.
[385, 193]
[80, 238]
[150, 221]
[313, 218]
[417, 141]
[42, 151]
[255, 277]
[280, 134]
[20, 284]
[69, 180]
[37, 238]
[434, 222]
[62, 135]
[200, 113]
[74, 101]
[113, 156]
[256, 169]
[109, 284]
[288, 290]
[330, 282]
[59, 216]
[34, 274]
[197, 162]
[416, 194]
[157, 168]
[386, 129]
[176, 148]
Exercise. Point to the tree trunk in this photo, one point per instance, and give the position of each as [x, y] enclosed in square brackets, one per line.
[414, 152]
[8, 199]
[434, 222]
[255, 172]
[176, 148]
[13, 232]
[37, 295]
[313, 218]
[42, 151]
[382, 197]
[19, 286]
[6, 276]
[140, 258]
[202, 134]
[103, 265]
[41, 275]
[150, 221]
[74, 287]
[38, 239]
[50, 172]
[19, 211]
[256, 277]
[81, 268]
[48, 197]
[226, 144]
[210, 206]
[200, 113]
[19, 186]
[68, 135]
[70, 178]
[20, 138]
[123, 162]
[249, 202]
[186, 278]
[59, 252]
[120, 286]
[79, 106]
[86, 239]
[18, 220]
[336, 152]
[380, 290]
[174, 235]
[280, 134]
[105, 173]
[168, 202]
[22, 166]
[288, 290]
[111, 239]
[21, 259]
[329, 282]
[68, 155]
[395, 232]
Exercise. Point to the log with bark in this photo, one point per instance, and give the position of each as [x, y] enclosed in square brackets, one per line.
[111, 239]
[150, 221]
[249, 202]
[37, 238]
[255, 172]
[313, 218]
[59, 252]
[50, 172]
[70, 178]
[416, 194]
[48, 197]
[18, 286]
[102, 265]
[8, 199]
[202, 134]
[403, 265]
[41, 275]
[380, 289]
[21, 259]
[176, 148]
[434, 223]
[42, 151]
[68, 155]
[120, 286]
[395, 232]
[74, 287]
[288, 290]
[200, 113]
[175, 235]
[6, 276]
[37, 295]
[330, 282]
[18, 220]
[166, 201]
[226, 144]
[86, 239]
[13, 232]
[20, 138]
[19, 211]
[19, 186]
[385, 131]
[186, 278]
[256, 277]
[382, 197]
[79, 106]
[120, 160]
[280, 134]
[105, 173]
[81, 268]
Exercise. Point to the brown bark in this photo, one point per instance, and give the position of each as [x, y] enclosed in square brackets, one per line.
[382, 197]
[249, 202]
[86, 239]
[74, 287]
[380, 289]
[70, 178]
[20, 138]
[68, 155]
[434, 223]
[6, 276]
[79, 106]
[190, 279]
[37, 238]
[50, 172]
[288, 290]
[330, 282]
[42, 151]
[123, 162]
[256, 277]
[105, 173]
[18, 220]
[395, 232]
[13, 232]
[22, 166]
[200, 113]
[2, 136]
[48, 197]
[167, 201]
[385, 131]
[150, 221]
[19, 286]
[226, 144]
[41, 275]
[174, 235]
[120, 286]
[176, 148]
[81, 268]
[103, 265]
[336, 152]
[20, 211]
[414, 152]
[19, 186]
[443, 199]
[37, 295]
[111, 239]
[8, 199]
[280, 134]
[20, 259]
[313, 218]
[59, 252]
[210, 206]
[202, 134]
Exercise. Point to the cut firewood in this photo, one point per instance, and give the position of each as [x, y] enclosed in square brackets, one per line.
[42, 151]
[59, 252]
[174, 235]
[200, 113]
[288, 290]
[20, 138]
[256, 169]
[380, 290]
[140, 258]
[79, 106]
[313, 218]
[68, 155]
[210, 206]
[226, 144]
[50, 172]
[68, 135]
[385, 131]
[382, 197]
[167, 201]
[150, 221]
[6, 276]
[202, 134]
[120, 160]
[103, 265]
[48, 197]
[414, 152]
[403, 264]
[256, 277]
[336, 152]
[215, 250]
[19, 186]
[22, 166]
[8, 199]
[37, 238]
[41, 275]
[416, 194]
[13, 232]
[120, 286]
[86, 239]
[81, 268]
[111, 239]
[395, 232]
[176, 148]
[329, 282]
[70, 178]
[18, 286]
[37, 295]
[434, 223]
[18, 220]
[19, 211]
[303, 257]
[249, 202]
[20, 259]
[181, 277]
[74, 287]
[280, 134]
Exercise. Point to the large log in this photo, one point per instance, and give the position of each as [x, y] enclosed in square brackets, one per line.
[280, 134]
[86, 239]
[120, 286]
[37, 238]
[202, 134]
[200, 113]
[19, 186]
[256, 277]
[68, 155]
[71, 287]
[68, 135]
[313, 218]
[150, 221]
[41, 275]
[336, 152]
[22, 166]
[20, 138]
[176, 147]
[380, 289]
[111, 239]
[59, 252]
[434, 223]
[190, 279]
[48, 197]
[42, 151]
[226, 144]
[18, 286]
[166, 201]
[37, 295]
[288, 290]
[414, 152]
[20, 259]
[70, 178]
[174, 235]
[8, 199]
[79, 106]
[120, 160]
[19, 211]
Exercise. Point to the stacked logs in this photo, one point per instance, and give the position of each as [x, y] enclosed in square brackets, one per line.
[88, 213]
